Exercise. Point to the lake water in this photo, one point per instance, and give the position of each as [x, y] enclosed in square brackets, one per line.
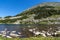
[4, 28]
[18, 27]
[9, 27]
[12, 27]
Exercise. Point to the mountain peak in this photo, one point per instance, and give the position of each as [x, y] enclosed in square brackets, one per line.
[51, 4]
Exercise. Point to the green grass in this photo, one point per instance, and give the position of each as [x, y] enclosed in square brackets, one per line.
[32, 38]
[54, 16]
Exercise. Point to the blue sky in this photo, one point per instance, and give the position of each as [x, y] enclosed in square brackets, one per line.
[13, 7]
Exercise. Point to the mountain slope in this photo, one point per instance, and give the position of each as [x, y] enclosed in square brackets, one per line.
[44, 13]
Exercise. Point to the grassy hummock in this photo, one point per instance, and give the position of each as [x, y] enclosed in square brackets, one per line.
[32, 38]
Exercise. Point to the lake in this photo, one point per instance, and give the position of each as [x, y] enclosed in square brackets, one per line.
[7, 29]
[12, 28]
[17, 27]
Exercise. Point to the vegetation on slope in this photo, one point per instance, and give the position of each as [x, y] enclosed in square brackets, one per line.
[39, 12]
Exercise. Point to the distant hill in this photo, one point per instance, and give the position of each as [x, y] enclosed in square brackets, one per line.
[45, 13]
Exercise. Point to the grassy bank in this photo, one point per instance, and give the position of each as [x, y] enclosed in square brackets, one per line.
[32, 38]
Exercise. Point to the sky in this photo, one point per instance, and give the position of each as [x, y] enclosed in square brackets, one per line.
[13, 7]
